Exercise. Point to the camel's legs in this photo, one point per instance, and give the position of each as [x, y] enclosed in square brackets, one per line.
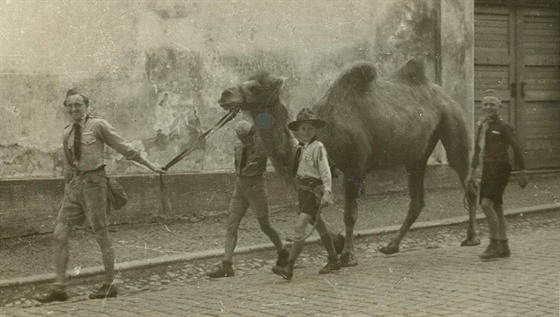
[352, 184]
[457, 143]
[472, 200]
[416, 173]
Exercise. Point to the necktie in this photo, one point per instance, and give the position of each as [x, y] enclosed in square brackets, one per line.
[77, 141]
[296, 159]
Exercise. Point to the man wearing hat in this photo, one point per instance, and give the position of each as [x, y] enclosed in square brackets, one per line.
[493, 139]
[250, 191]
[314, 183]
[86, 191]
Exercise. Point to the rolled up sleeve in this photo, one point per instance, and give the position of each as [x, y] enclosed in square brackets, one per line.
[109, 136]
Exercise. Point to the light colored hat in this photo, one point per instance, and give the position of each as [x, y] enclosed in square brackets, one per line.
[243, 128]
[306, 115]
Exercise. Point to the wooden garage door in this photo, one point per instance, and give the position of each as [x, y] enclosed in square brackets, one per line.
[517, 52]
[539, 76]
[494, 58]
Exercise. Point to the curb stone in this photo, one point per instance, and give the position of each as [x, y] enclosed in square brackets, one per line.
[215, 253]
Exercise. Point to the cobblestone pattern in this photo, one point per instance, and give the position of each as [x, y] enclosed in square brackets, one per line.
[431, 276]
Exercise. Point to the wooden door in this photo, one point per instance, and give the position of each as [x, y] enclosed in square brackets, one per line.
[517, 52]
[495, 58]
[538, 79]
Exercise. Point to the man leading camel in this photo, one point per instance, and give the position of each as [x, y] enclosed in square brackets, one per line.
[86, 191]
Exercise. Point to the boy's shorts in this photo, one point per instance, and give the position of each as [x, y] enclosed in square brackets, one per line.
[249, 192]
[310, 192]
[495, 177]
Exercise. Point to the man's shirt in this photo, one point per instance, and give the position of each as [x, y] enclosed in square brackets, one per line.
[314, 163]
[254, 162]
[96, 132]
[499, 136]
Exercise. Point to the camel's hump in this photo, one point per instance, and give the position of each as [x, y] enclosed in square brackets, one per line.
[358, 75]
[411, 73]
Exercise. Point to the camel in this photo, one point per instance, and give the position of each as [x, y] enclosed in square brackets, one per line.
[371, 124]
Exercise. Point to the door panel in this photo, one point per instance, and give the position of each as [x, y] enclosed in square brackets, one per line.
[494, 58]
[517, 52]
[539, 75]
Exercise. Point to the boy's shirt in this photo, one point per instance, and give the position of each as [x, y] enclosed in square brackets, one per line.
[499, 136]
[314, 163]
[254, 162]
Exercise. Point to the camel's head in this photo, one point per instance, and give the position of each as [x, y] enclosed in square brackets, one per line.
[254, 95]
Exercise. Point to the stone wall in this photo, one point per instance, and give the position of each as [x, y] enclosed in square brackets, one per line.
[30, 206]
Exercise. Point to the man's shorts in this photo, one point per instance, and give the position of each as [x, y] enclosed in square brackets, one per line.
[85, 196]
[249, 192]
[310, 192]
[495, 177]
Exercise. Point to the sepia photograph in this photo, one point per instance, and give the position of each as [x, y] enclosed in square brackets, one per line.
[280, 158]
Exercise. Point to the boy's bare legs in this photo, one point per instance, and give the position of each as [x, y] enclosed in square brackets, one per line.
[326, 237]
[502, 234]
[498, 246]
[272, 234]
[491, 216]
[299, 241]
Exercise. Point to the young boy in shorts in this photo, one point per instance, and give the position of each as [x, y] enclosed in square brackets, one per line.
[314, 184]
[493, 139]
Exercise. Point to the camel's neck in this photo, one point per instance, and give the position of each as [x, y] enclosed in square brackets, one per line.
[276, 139]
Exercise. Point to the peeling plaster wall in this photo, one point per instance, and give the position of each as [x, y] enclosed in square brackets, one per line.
[457, 37]
[132, 57]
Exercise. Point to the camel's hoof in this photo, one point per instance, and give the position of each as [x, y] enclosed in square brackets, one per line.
[390, 249]
[347, 259]
[470, 242]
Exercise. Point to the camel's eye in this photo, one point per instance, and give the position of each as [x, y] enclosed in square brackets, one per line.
[256, 89]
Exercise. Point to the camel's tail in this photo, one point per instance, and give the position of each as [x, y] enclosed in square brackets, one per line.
[455, 137]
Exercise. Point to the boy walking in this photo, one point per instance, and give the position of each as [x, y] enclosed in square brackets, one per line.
[493, 138]
[314, 183]
[250, 191]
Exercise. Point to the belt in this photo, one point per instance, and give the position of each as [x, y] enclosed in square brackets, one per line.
[99, 169]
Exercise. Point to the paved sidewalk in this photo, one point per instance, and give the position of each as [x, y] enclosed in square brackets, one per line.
[436, 278]
[30, 256]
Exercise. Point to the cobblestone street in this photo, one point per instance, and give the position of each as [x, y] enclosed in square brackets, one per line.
[432, 276]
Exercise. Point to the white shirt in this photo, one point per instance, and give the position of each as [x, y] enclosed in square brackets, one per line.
[314, 163]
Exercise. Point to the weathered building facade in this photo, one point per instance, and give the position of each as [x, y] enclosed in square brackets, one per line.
[155, 69]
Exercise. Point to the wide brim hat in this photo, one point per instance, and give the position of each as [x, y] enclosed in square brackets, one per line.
[306, 115]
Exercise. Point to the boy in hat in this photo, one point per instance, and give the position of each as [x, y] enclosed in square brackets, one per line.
[250, 191]
[314, 183]
[493, 138]
[86, 191]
